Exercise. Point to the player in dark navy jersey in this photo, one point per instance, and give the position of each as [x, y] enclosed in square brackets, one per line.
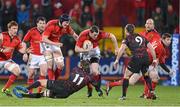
[140, 59]
[79, 78]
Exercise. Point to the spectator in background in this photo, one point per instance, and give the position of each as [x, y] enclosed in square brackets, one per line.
[75, 25]
[8, 14]
[25, 2]
[99, 6]
[36, 12]
[1, 10]
[140, 11]
[23, 17]
[86, 16]
[47, 9]
[163, 4]
[20, 34]
[108, 53]
[171, 20]
[75, 12]
[88, 3]
[57, 9]
[177, 30]
[158, 19]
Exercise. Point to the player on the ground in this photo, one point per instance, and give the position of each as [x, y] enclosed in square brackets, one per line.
[36, 58]
[93, 54]
[9, 42]
[140, 59]
[79, 78]
[54, 30]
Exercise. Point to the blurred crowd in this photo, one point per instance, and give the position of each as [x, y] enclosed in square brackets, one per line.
[84, 14]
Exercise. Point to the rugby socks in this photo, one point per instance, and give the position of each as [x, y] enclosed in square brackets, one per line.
[115, 83]
[51, 74]
[125, 86]
[145, 88]
[57, 73]
[97, 78]
[34, 85]
[41, 78]
[148, 82]
[29, 82]
[89, 87]
[11, 80]
[154, 84]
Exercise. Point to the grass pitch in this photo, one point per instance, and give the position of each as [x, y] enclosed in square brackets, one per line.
[167, 96]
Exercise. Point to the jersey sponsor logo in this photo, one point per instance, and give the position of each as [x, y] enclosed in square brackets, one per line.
[150, 36]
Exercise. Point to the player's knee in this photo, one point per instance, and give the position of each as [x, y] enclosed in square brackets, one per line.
[30, 74]
[43, 82]
[16, 70]
[48, 57]
[95, 72]
[131, 82]
[154, 76]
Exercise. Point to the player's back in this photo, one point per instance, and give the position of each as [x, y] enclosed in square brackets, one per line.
[137, 45]
[77, 80]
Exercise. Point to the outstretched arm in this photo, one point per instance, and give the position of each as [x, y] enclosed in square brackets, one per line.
[46, 40]
[114, 40]
[120, 52]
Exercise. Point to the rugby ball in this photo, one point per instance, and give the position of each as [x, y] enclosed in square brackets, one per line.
[87, 44]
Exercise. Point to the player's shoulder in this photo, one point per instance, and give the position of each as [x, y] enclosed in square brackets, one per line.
[85, 31]
[53, 22]
[17, 39]
[4, 33]
[33, 29]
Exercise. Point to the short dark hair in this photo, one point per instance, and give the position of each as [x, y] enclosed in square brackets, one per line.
[40, 18]
[166, 35]
[12, 23]
[130, 28]
[94, 28]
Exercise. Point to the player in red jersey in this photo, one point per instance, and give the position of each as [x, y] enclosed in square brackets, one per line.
[94, 35]
[163, 52]
[54, 30]
[9, 42]
[36, 58]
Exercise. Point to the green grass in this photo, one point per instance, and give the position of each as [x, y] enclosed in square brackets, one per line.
[168, 96]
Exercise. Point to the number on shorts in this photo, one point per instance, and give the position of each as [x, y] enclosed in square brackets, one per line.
[80, 79]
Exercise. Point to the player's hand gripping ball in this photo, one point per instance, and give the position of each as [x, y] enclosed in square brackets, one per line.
[87, 44]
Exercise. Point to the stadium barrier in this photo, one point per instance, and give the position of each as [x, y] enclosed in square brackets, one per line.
[106, 69]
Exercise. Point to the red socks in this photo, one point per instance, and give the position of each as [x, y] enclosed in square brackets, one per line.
[29, 82]
[154, 84]
[116, 83]
[41, 78]
[11, 80]
[57, 73]
[51, 75]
